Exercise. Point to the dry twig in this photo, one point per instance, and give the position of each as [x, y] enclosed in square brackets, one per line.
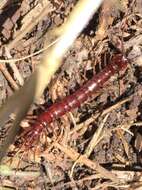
[8, 77]
[16, 72]
[84, 160]
[2, 4]
[96, 137]
[96, 115]
[29, 26]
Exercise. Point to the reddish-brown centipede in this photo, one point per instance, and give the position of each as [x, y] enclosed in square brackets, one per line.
[118, 62]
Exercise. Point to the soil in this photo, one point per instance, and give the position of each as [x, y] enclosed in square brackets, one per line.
[109, 122]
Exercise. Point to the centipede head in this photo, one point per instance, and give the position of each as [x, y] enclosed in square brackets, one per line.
[28, 140]
[32, 136]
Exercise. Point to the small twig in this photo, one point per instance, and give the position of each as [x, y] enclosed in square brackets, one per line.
[16, 72]
[8, 77]
[30, 55]
[6, 171]
[28, 27]
[94, 141]
[2, 4]
[136, 123]
[95, 138]
[96, 115]
[84, 160]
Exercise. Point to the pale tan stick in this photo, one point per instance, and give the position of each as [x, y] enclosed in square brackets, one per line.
[8, 77]
[2, 4]
[41, 77]
[39, 80]
[16, 72]
[7, 171]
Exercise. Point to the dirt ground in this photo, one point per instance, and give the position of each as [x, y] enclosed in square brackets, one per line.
[87, 147]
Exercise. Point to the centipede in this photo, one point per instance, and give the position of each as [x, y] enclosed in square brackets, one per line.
[117, 63]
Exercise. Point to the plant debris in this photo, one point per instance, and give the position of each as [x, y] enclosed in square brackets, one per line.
[95, 146]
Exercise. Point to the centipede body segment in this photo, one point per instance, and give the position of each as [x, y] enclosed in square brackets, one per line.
[118, 62]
